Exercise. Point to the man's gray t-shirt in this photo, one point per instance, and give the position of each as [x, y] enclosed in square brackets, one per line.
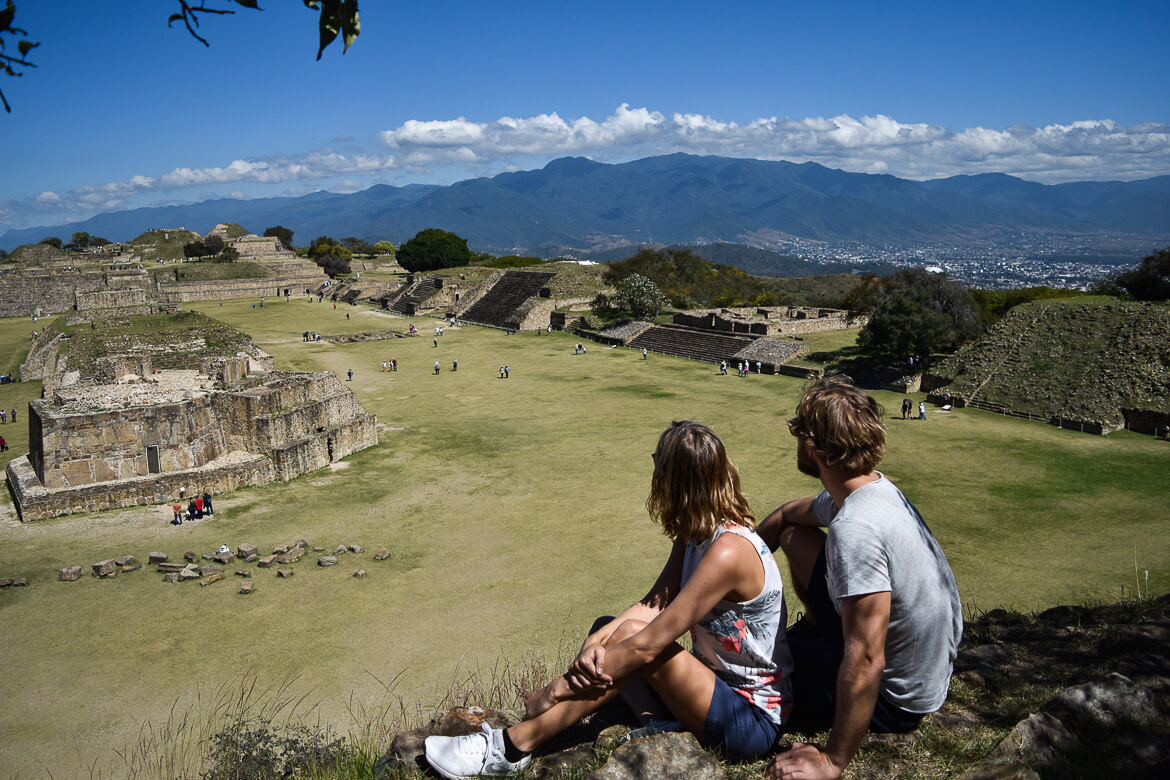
[877, 542]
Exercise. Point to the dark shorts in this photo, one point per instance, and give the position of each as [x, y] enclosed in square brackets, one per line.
[817, 656]
[738, 728]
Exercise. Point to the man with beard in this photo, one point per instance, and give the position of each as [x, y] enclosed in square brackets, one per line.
[883, 622]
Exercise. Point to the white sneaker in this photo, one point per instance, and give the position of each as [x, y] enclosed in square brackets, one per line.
[472, 755]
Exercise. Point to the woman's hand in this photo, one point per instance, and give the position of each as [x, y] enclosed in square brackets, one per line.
[588, 669]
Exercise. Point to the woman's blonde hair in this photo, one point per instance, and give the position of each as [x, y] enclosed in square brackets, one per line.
[695, 485]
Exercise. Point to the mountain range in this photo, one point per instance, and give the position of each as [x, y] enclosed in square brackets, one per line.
[575, 206]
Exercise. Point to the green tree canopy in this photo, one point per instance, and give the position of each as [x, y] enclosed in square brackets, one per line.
[432, 249]
[690, 281]
[1149, 281]
[357, 246]
[915, 313]
[384, 248]
[323, 246]
[282, 234]
[333, 264]
[52, 241]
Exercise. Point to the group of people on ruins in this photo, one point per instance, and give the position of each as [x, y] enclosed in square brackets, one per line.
[873, 651]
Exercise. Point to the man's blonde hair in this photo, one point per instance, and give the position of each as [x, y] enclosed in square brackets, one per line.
[843, 423]
[695, 485]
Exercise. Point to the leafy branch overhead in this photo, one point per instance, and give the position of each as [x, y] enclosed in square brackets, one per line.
[338, 17]
[23, 47]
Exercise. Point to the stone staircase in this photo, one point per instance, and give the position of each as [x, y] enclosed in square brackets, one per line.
[691, 343]
[498, 306]
[412, 298]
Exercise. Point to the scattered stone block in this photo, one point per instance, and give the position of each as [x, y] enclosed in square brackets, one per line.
[327, 560]
[280, 549]
[210, 568]
[284, 573]
[246, 587]
[224, 558]
[69, 574]
[207, 557]
[173, 567]
[126, 560]
[191, 556]
[105, 568]
[674, 754]
[356, 548]
[213, 578]
[302, 544]
[382, 554]
[157, 557]
[5, 582]
[243, 573]
[341, 550]
[292, 556]
[131, 567]
[188, 574]
[318, 549]
[171, 576]
[458, 721]
[19, 582]
[360, 573]
[252, 558]
[266, 561]
[244, 550]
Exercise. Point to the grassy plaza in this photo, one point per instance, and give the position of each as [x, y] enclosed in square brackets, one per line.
[514, 513]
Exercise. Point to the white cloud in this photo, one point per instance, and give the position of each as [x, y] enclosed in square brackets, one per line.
[460, 148]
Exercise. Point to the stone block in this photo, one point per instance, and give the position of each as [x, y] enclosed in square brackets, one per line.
[244, 550]
[5, 582]
[284, 573]
[291, 556]
[266, 561]
[341, 550]
[280, 549]
[327, 560]
[360, 573]
[131, 567]
[173, 567]
[171, 576]
[246, 587]
[126, 560]
[105, 568]
[156, 557]
[19, 582]
[356, 548]
[210, 568]
[252, 558]
[224, 558]
[188, 574]
[69, 574]
[382, 554]
[213, 578]
[191, 556]
[243, 573]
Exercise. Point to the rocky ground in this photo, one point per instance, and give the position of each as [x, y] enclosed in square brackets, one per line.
[1070, 692]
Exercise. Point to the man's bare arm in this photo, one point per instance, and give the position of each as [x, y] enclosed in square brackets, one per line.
[798, 512]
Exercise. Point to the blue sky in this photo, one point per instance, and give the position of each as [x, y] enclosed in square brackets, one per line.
[123, 112]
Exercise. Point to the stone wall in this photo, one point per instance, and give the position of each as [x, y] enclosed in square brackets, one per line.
[35, 502]
[1155, 422]
[770, 320]
[26, 293]
[293, 275]
[252, 247]
[108, 299]
[80, 449]
[534, 314]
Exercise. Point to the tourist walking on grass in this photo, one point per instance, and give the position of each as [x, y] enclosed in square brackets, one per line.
[883, 617]
[437, 368]
[350, 375]
[178, 509]
[207, 507]
[720, 584]
[643, 353]
[3, 445]
[921, 410]
[507, 371]
[907, 408]
[454, 365]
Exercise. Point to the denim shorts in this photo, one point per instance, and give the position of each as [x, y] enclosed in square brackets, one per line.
[740, 729]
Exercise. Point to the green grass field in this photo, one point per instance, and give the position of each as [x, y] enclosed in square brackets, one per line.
[514, 511]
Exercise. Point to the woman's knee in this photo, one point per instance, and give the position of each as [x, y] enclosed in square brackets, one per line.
[626, 630]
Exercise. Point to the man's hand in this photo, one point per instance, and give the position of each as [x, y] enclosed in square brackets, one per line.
[588, 669]
[801, 762]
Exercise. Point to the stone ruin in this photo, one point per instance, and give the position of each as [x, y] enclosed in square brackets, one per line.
[771, 320]
[120, 432]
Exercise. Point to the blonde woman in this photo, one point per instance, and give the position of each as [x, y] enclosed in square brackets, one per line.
[720, 583]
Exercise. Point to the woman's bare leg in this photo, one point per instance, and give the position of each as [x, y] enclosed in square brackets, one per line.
[684, 682]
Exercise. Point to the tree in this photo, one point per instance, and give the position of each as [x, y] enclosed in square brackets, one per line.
[333, 265]
[915, 313]
[337, 17]
[214, 244]
[1148, 281]
[384, 248]
[640, 295]
[81, 239]
[323, 246]
[432, 249]
[52, 241]
[229, 255]
[357, 246]
[282, 234]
